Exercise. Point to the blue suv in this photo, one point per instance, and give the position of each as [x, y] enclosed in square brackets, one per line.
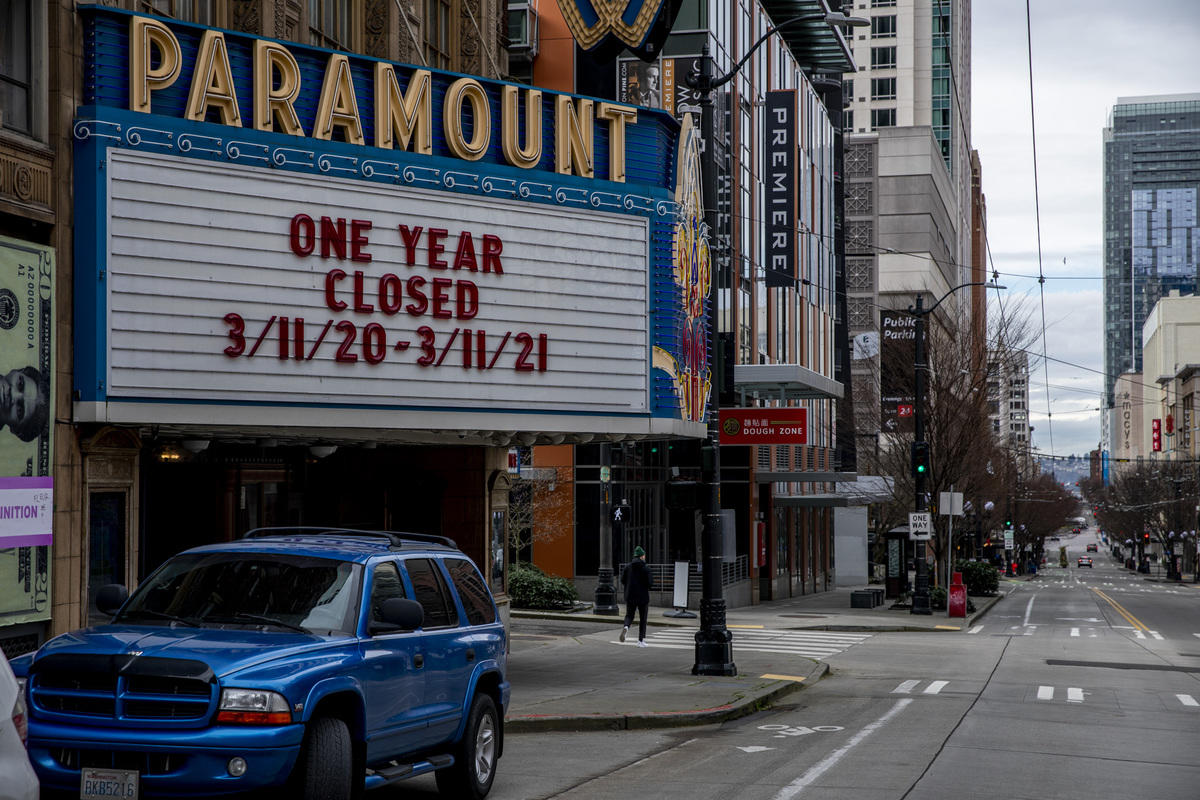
[322, 661]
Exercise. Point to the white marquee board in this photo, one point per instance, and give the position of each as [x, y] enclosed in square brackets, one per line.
[189, 244]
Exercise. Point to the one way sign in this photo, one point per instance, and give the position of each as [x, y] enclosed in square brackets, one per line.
[920, 526]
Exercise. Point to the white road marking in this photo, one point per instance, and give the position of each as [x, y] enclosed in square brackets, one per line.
[1139, 634]
[905, 688]
[1045, 693]
[978, 628]
[935, 687]
[1156, 635]
[1187, 700]
[1029, 609]
[817, 770]
[1075, 631]
[754, 749]
[1074, 695]
[811, 644]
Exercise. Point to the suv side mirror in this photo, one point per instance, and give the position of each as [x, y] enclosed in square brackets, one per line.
[111, 597]
[398, 614]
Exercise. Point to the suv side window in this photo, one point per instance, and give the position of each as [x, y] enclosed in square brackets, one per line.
[431, 592]
[476, 600]
[385, 584]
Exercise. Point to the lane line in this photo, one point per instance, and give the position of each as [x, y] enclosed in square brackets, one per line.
[1187, 700]
[905, 688]
[817, 770]
[1137, 624]
[1045, 693]
[935, 687]
[1029, 609]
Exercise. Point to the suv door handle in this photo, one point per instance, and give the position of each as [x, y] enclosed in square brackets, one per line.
[418, 660]
[470, 654]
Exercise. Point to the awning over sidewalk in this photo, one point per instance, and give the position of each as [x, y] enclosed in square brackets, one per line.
[784, 382]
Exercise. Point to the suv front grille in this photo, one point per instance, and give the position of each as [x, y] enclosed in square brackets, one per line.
[144, 763]
[123, 687]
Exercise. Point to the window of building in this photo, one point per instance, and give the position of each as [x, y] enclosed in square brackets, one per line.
[329, 24]
[883, 88]
[883, 57]
[201, 12]
[883, 26]
[16, 66]
[883, 3]
[848, 89]
[848, 119]
[883, 117]
[439, 21]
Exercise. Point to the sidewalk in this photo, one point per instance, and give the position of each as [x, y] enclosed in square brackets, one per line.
[593, 682]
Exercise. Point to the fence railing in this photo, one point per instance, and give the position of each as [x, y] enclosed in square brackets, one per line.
[663, 575]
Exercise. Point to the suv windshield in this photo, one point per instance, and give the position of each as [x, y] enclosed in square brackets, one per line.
[275, 591]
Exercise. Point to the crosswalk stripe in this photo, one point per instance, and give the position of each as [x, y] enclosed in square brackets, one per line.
[1074, 631]
[1156, 635]
[936, 687]
[1139, 634]
[1187, 700]
[1045, 693]
[978, 628]
[1074, 695]
[808, 644]
[905, 688]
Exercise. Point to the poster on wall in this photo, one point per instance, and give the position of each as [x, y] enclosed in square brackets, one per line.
[661, 84]
[26, 447]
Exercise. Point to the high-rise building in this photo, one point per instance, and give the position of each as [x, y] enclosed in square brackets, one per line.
[915, 218]
[1151, 233]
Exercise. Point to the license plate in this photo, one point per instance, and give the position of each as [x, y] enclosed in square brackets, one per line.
[107, 784]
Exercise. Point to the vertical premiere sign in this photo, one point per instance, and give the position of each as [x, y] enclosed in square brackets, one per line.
[779, 189]
[26, 429]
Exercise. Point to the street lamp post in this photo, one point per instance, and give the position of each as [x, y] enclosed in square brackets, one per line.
[714, 643]
[920, 598]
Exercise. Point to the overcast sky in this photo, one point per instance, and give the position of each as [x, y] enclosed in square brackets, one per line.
[1086, 54]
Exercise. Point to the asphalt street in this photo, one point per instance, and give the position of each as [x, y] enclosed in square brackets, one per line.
[1084, 683]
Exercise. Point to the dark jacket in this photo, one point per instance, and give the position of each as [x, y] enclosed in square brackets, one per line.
[637, 581]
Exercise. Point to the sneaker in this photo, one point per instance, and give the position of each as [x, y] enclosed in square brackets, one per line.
[624, 631]
[642, 643]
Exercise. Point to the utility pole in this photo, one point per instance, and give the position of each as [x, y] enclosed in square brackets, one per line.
[920, 598]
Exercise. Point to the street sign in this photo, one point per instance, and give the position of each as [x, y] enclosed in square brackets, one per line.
[950, 503]
[1008, 540]
[920, 526]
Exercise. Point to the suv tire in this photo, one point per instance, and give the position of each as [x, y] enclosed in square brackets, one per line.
[475, 756]
[324, 771]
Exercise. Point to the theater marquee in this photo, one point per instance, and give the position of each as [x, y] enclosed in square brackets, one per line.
[323, 239]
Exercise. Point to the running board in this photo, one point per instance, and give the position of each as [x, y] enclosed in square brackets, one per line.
[382, 776]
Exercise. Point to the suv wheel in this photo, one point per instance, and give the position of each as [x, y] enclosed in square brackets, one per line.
[326, 764]
[475, 757]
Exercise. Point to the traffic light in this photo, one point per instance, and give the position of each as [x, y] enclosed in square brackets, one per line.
[1008, 523]
[920, 458]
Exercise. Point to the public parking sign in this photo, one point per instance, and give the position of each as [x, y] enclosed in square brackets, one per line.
[920, 526]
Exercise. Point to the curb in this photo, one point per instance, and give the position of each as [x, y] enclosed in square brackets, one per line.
[648, 720]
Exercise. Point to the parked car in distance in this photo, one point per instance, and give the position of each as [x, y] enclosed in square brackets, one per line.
[320, 661]
[17, 779]
[1093, 548]
[1085, 561]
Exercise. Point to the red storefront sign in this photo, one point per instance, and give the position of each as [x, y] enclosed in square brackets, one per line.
[1156, 435]
[764, 426]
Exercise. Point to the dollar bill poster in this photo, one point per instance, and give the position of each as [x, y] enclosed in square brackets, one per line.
[26, 417]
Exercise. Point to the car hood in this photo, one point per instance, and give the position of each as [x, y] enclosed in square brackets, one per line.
[224, 650]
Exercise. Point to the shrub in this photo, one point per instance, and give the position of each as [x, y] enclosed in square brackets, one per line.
[529, 587]
[937, 598]
[979, 578]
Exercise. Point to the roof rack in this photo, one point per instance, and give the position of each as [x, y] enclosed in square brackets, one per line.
[394, 538]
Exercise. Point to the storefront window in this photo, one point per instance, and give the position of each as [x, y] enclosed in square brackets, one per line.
[16, 34]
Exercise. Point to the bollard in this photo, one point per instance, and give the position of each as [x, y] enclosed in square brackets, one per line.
[957, 600]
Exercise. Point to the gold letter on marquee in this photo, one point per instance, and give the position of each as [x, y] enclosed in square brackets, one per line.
[143, 33]
[468, 90]
[617, 117]
[212, 82]
[574, 143]
[338, 106]
[526, 157]
[270, 103]
[403, 118]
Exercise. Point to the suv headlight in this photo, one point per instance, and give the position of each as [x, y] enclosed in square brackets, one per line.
[253, 707]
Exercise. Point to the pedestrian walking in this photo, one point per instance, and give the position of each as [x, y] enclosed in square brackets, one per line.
[637, 581]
